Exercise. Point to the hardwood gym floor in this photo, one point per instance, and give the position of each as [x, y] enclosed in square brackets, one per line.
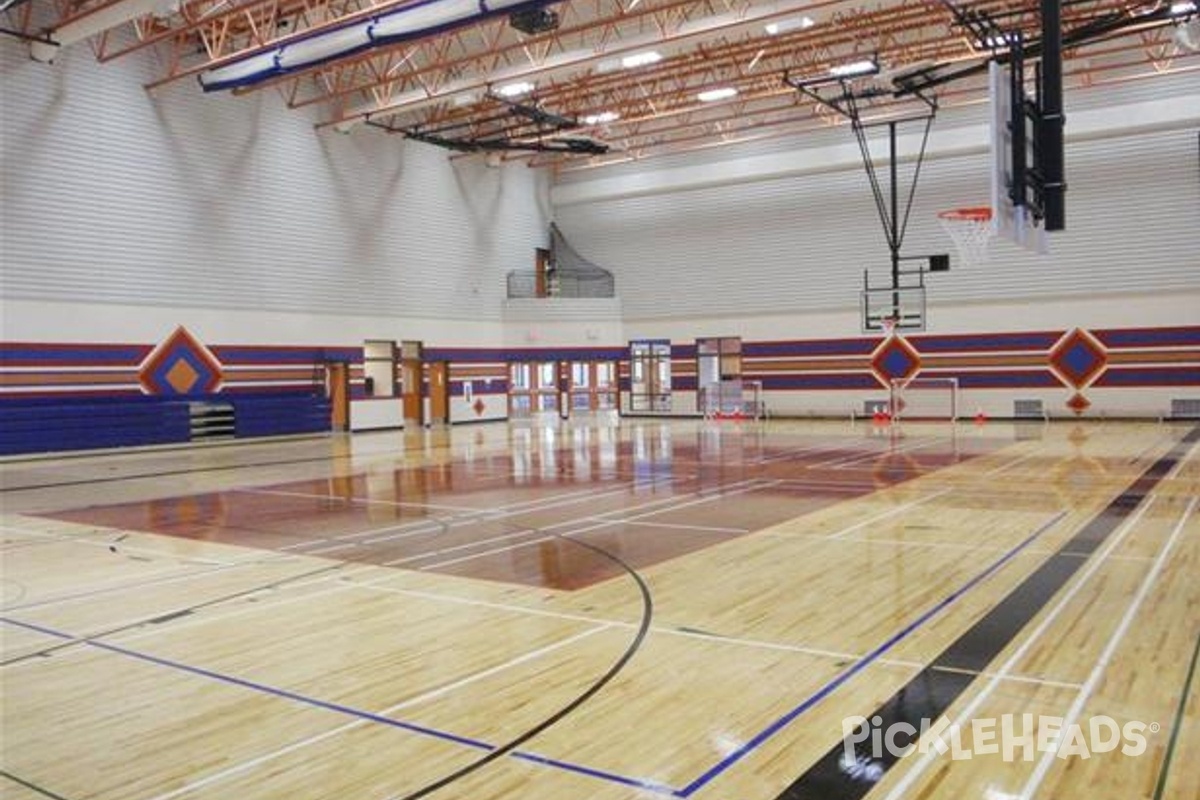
[601, 610]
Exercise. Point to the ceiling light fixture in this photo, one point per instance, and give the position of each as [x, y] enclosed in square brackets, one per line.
[787, 25]
[867, 66]
[713, 95]
[1184, 7]
[641, 59]
[515, 89]
[602, 118]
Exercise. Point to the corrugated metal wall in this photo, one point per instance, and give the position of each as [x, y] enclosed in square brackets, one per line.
[111, 195]
[801, 242]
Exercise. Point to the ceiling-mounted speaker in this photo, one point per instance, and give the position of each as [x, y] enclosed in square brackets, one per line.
[534, 20]
[939, 263]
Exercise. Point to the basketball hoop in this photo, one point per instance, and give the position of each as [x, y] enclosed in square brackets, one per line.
[971, 230]
[888, 326]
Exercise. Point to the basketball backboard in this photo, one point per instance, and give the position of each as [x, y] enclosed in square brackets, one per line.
[901, 309]
[1013, 138]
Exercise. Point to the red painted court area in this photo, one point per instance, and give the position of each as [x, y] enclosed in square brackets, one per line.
[516, 516]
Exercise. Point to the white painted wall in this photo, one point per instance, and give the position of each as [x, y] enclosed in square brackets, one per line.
[998, 316]
[125, 215]
[770, 241]
[559, 322]
[190, 201]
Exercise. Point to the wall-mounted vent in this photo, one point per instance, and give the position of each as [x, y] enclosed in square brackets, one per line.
[1185, 408]
[211, 421]
[1028, 409]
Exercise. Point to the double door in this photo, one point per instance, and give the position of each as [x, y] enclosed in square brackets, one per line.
[555, 387]
[592, 386]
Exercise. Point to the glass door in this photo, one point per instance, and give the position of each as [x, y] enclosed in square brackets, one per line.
[592, 386]
[649, 375]
[719, 375]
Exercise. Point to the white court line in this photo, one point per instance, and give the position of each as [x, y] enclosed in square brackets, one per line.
[891, 512]
[1114, 641]
[760, 644]
[124, 637]
[457, 548]
[1009, 464]
[425, 526]
[789, 454]
[574, 521]
[366, 500]
[982, 548]
[589, 528]
[816, 483]
[421, 698]
[673, 526]
[900, 789]
[1175, 470]
[439, 525]
[710, 493]
[843, 463]
[131, 548]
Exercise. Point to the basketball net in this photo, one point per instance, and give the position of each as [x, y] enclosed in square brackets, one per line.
[888, 326]
[971, 230]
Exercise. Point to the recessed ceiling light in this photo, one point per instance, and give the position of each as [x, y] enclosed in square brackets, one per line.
[863, 67]
[515, 89]
[790, 24]
[712, 95]
[600, 119]
[641, 59]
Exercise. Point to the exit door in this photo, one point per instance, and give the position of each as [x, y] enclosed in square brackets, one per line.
[337, 389]
[412, 383]
[439, 393]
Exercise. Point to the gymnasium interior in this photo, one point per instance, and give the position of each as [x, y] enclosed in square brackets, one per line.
[599, 399]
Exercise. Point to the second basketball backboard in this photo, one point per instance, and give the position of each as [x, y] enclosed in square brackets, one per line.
[1013, 161]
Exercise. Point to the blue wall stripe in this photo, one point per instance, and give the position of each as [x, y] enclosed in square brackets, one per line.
[1181, 336]
[74, 355]
[1149, 376]
[970, 343]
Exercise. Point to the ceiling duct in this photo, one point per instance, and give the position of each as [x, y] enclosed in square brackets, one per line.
[314, 48]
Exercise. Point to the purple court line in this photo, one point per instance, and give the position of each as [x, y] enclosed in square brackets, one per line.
[848, 673]
[642, 783]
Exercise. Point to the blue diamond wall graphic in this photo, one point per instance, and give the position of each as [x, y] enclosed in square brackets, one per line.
[1078, 358]
[895, 360]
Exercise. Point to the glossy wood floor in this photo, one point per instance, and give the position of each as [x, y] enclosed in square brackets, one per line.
[601, 610]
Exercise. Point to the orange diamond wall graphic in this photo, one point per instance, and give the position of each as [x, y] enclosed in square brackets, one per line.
[180, 365]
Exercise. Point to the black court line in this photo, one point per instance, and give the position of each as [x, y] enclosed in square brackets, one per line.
[930, 693]
[631, 650]
[1161, 787]
[169, 616]
[32, 786]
